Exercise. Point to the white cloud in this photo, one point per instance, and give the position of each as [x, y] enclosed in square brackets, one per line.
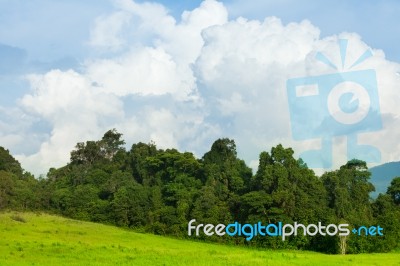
[214, 78]
[59, 94]
[251, 61]
[233, 105]
[107, 31]
[159, 58]
[76, 110]
[147, 71]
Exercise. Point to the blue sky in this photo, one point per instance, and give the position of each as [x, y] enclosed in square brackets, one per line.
[47, 34]
[174, 72]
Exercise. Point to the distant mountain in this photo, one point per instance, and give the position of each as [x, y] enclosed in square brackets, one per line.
[382, 175]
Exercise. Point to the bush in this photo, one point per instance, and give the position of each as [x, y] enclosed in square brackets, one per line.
[18, 218]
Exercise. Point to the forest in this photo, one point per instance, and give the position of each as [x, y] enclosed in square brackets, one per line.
[159, 191]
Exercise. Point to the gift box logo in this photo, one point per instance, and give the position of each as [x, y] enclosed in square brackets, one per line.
[344, 103]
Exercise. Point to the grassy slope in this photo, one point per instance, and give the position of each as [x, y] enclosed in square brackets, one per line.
[52, 240]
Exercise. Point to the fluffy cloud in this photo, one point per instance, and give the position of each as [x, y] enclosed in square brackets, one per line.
[185, 83]
[75, 109]
[149, 71]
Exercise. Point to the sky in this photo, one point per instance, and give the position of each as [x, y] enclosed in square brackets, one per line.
[185, 73]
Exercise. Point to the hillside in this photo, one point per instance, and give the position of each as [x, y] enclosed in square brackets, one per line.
[382, 175]
[159, 191]
[41, 239]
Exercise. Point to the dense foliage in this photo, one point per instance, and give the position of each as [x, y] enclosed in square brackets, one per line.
[159, 191]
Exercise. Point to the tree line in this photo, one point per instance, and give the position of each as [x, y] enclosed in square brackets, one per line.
[159, 191]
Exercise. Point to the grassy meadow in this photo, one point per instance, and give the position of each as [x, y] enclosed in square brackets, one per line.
[42, 239]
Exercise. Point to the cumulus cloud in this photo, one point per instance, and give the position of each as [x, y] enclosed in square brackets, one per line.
[75, 109]
[107, 31]
[185, 83]
[148, 71]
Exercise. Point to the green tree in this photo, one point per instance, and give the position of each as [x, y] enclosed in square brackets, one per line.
[348, 195]
[394, 190]
[348, 192]
[6, 189]
[111, 144]
[142, 169]
[8, 163]
[387, 215]
[284, 189]
[223, 166]
[95, 151]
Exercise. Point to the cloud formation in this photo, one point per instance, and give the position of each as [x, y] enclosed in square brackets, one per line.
[185, 83]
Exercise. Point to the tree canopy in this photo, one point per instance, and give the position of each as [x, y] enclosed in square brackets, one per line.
[160, 191]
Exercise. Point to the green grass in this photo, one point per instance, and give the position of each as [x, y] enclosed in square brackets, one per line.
[41, 239]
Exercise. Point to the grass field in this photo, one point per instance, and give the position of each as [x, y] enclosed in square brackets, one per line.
[41, 239]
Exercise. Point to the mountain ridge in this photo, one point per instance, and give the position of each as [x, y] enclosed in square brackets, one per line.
[382, 175]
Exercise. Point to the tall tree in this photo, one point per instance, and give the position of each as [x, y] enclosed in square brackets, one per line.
[394, 190]
[8, 163]
[348, 195]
